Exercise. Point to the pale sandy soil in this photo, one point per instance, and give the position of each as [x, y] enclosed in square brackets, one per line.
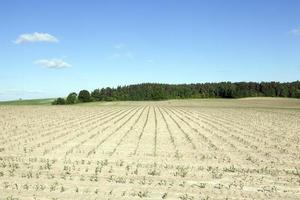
[179, 149]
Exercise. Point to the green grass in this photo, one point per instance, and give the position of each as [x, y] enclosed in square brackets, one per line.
[28, 102]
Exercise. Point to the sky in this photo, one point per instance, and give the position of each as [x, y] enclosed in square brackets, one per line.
[50, 48]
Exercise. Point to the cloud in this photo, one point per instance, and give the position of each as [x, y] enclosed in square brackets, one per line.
[119, 46]
[53, 63]
[121, 52]
[126, 55]
[35, 37]
[295, 31]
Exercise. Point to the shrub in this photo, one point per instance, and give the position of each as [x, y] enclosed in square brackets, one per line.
[59, 101]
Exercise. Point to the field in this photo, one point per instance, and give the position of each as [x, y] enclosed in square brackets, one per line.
[188, 149]
[28, 102]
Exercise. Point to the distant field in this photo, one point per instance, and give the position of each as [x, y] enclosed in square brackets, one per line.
[28, 102]
[178, 149]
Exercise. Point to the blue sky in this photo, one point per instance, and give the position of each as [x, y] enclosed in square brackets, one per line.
[53, 47]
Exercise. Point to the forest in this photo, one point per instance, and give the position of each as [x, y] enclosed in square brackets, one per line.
[158, 91]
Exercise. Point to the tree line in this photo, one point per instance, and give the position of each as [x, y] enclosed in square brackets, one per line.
[157, 91]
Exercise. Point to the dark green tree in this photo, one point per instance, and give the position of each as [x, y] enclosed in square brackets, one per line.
[72, 98]
[156, 91]
[97, 95]
[84, 96]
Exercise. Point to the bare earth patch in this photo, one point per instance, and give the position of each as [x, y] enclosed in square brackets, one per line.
[189, 149]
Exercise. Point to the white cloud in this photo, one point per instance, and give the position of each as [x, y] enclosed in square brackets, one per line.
[36, 37]
[295, 31]
[126, 55]
[119, 46]
[121, 52]
[53, 63]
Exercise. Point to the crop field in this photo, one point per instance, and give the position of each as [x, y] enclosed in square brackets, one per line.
[185, 150]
